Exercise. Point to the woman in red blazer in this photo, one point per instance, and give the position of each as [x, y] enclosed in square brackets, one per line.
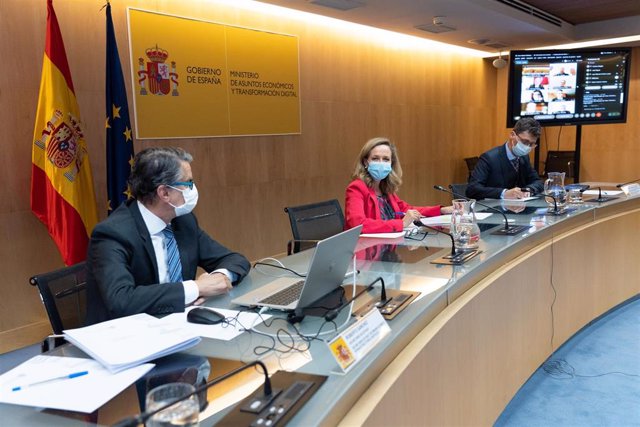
[371, 198]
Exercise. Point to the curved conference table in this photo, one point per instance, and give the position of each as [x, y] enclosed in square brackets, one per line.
[460, 352]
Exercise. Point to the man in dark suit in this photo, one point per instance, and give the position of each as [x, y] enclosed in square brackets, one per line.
[143, 258]
[505, 172]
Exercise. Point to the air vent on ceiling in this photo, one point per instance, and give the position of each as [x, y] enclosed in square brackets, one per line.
[338, 4]
[435, 29]
[493, 44]
[497, 45]
[437, 26]
[530, 10]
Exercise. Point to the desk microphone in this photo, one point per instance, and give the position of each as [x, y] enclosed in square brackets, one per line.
[506, 231]
[265, 399]
[453, 244]
[332, 314]
[600, 198]
[627, 183]
[456, 258]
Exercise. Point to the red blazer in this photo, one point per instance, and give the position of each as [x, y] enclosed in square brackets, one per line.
[361, 207]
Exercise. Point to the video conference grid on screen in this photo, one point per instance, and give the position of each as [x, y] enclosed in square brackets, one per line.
[569, 87]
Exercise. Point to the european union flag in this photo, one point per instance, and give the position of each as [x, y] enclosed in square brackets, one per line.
[119, 139]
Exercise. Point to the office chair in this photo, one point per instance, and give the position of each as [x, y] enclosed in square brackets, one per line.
[63, 293]
[471, 163]
[458, 189]
[560, 161]
[312, 223]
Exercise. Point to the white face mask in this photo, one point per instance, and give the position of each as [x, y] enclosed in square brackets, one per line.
[190, 196]
[520, 149]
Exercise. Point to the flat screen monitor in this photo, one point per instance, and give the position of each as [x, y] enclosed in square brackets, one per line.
[569, 87]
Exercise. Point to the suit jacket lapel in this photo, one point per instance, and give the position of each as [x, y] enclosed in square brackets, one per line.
[145, 237]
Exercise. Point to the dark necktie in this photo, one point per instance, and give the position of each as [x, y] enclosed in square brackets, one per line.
[515, 163]
[173, 256]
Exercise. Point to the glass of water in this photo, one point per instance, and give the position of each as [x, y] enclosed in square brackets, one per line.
[184, 413]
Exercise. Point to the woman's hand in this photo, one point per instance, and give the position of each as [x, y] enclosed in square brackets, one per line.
[445, 210]
[410, 216]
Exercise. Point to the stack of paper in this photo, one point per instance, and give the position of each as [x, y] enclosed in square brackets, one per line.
[129, 341]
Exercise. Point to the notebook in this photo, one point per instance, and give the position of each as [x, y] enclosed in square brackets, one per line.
[327, 269]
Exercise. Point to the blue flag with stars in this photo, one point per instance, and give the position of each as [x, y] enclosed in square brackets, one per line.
[119, 139]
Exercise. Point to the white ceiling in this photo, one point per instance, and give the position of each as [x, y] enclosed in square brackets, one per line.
[495, 22]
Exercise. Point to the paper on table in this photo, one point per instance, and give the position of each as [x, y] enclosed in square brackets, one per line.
[446, 219]
[384, 235]
[223, 331]
[604, 192]
[129, 341]
[82, 394]
[524, 199]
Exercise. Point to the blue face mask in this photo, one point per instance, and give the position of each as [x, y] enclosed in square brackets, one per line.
[520, 149]
[379, 170]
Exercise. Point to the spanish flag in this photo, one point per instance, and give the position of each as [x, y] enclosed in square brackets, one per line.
[62, 195]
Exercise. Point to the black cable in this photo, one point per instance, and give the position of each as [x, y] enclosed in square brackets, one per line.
[559, 132]
[280, 267]
[562, 370]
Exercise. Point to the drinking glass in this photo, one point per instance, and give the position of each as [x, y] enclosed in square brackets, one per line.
[575, 196]
[184, 413]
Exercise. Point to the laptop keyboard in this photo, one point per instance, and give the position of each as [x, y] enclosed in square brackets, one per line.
[285, 296]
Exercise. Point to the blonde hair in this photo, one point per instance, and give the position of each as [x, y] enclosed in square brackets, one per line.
[392, 182]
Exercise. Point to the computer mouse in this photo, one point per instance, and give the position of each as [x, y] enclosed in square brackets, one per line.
[205, 316]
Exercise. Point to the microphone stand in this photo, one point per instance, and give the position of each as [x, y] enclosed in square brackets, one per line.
[508, 230]
[627, 183]
[268, 395]
[602, 199]
[455, 257]
[332, 314]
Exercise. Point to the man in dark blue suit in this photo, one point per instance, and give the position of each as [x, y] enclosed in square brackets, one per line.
[143, 258]
[505, 172]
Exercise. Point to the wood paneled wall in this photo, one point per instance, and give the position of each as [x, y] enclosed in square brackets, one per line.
[439, 107]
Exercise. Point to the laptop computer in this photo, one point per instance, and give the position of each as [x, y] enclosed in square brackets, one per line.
[327, 270]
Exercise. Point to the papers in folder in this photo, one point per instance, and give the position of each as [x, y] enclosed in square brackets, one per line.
[85, 393]
[130, 341]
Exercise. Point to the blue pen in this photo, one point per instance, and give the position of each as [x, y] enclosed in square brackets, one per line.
[400, 213]
[63, 377]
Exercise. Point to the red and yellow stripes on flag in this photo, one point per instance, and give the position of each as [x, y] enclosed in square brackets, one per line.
[62, 194]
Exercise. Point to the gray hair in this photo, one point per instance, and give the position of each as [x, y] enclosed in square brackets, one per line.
[153, 167]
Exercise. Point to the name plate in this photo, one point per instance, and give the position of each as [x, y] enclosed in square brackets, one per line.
[631, 189]
[355, 342]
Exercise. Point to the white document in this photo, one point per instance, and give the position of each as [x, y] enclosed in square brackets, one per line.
[446, 219]
[604, 192]
[384, 235]
[84, 393]
[237, 322]
[129, 341]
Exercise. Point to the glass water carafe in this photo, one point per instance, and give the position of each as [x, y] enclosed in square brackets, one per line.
[555, 192]
[464, 226]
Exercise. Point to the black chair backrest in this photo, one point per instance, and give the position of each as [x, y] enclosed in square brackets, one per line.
[63, 294]
[560, 161]
[460, 189]
[471, 163]
[313, 222]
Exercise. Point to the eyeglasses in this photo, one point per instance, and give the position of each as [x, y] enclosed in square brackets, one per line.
[183, 183]
[531, 144]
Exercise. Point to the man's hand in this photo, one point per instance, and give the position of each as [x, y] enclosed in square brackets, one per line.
[516, 193]
[210, 285]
